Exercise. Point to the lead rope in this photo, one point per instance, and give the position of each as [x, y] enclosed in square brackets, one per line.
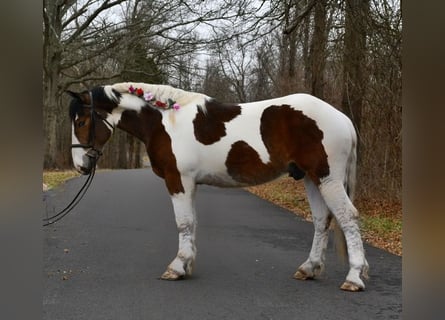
[50, 220]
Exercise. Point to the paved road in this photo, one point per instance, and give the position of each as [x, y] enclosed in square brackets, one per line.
[103, 260]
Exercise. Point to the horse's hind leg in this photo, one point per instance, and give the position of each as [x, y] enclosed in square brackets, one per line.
[314, 265]
[346, 214]
[185, 215]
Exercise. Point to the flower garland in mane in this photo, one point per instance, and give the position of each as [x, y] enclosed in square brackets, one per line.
[149, 97]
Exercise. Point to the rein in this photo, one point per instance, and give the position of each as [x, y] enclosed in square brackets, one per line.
[94, 154]
[50, 220]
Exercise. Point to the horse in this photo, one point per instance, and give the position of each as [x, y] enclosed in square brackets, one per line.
[193, 139]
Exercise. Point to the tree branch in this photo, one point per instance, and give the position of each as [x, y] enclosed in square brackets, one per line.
[105, 5]
[300, 17]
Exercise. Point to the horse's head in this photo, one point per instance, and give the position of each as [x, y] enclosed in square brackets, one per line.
[90, 129]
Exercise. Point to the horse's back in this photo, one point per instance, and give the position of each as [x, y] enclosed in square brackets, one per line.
[334, 124]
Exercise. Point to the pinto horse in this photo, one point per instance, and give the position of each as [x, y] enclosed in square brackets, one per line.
[193, 139]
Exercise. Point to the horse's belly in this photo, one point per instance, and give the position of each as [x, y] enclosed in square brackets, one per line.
[219, 180]
[239, 179]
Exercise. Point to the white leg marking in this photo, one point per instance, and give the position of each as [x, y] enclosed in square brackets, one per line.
[314, 265]
[346, 214]
[185, 215]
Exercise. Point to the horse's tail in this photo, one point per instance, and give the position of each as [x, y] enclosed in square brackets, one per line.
[350, 185]
[340, 242]
[351, 169]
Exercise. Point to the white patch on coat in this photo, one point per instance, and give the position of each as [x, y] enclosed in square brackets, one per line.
[110, 94]
[132, 102]
[246, 127]
[115, 117]
[77, 154]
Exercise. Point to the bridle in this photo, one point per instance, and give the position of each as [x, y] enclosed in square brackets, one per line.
[93, 153]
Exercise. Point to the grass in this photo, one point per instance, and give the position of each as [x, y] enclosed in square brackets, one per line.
[383, 225]
[380, 220]
[53, 179]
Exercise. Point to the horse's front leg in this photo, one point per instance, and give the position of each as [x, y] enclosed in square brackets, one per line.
[185, 215]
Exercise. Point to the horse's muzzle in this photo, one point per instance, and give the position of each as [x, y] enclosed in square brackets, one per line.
[94, 154]
[84, 170]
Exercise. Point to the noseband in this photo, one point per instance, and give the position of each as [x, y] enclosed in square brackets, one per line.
[93, 153]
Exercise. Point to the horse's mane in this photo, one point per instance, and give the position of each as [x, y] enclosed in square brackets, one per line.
[160, 92]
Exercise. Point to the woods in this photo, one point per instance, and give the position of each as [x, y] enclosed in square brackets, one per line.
[347, 52]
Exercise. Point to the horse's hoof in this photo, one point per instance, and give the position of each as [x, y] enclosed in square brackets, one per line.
[352, 287]
[172, 275]
[302, 275]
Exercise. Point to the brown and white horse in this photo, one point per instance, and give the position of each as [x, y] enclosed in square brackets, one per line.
[193, 139]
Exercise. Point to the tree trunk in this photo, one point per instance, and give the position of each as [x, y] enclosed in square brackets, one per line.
[318, 50]
[122, 151]
[51, 61]
[354, 73]
[288, 47]
[50, 123]
[306, 53]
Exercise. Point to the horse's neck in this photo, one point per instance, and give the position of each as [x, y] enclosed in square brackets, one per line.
[141, 125]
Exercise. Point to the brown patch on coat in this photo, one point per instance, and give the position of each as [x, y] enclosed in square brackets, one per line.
[148, 127]
[244, 165]
[209, 125]
[291, 138]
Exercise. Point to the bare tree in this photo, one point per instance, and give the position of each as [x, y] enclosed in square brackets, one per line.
[91, 40]
[215, 83]
[381, 161]
[349, 53]
[235, 64]
[317, 56]
[263, 84]
[73, 33]
[354, 71]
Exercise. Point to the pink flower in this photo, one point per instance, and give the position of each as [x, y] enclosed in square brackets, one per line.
[131, 89]
[148, 96]
[176, 106]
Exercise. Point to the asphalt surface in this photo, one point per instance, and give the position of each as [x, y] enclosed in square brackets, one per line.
[104, 260]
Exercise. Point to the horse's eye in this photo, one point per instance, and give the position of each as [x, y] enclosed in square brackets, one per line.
[80, 124]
